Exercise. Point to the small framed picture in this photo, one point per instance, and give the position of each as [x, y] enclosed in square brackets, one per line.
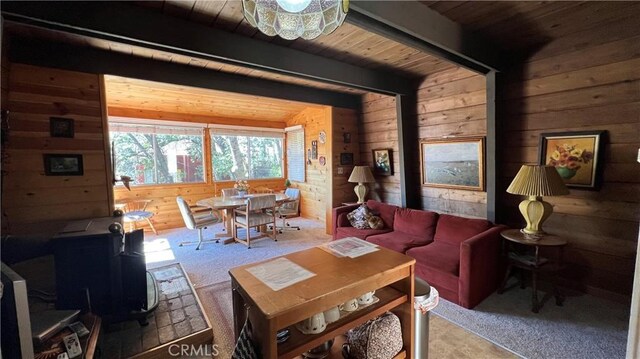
[61, 127]
[382, 162]
[346, 159]
[577, 156]
[314, 150]
[346, 137]
[63, 165]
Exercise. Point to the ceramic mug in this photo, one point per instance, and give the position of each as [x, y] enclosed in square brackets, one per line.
[366, 298]
[331, 315]
[350, 305]
[314, 325]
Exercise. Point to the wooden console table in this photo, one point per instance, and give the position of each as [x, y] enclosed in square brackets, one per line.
[533, 263]
[337, 280]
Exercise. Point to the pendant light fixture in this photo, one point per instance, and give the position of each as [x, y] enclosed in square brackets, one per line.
[291, 19]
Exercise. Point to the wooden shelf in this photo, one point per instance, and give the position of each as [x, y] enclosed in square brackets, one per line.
[337, 280]
[299, 342]
[336, 350]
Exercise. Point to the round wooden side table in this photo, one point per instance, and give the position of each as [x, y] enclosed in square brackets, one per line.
[533, 263]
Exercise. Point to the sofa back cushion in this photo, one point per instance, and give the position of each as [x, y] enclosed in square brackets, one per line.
[416, 223]
[454, 229]
[385, 211]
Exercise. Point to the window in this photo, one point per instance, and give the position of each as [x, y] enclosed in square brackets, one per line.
[295, 153]
[246, 154]
[155, 154]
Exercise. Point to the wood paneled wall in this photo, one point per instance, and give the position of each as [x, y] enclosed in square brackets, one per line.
[449, 103]
[584, 81]
[35, 94]
[379, 129]
[344, 121]
[315, 191]
[452, 103]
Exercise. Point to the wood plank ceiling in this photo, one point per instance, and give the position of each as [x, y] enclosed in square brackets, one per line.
[526, 26]
[348, 43]
[520, 26]
[124, 95]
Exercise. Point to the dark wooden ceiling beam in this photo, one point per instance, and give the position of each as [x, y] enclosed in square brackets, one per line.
[125, 23]
[85, 59]
[416, 25]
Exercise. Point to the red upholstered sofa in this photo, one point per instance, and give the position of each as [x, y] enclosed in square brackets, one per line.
[458, 256]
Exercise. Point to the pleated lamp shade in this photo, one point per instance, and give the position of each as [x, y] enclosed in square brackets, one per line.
[538, 181]
[361, 174]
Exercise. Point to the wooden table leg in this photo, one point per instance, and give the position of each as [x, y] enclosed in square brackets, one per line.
[535, 304]
[239, 311]
[228, 225]
[506, 278]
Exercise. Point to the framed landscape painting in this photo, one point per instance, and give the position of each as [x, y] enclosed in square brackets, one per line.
[577, 156]
[453, 163]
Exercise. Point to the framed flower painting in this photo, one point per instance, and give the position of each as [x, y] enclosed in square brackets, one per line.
[577, 156]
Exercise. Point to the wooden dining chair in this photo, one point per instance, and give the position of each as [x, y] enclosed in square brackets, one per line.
[260, 211]
[136, 211]
[228, 192]
[262, 190]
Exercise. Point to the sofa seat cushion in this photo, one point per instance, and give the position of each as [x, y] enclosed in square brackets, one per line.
[416, 223]
[396, 241]
[454, 230]
[343, 232]
[438, 263]
[385, 211]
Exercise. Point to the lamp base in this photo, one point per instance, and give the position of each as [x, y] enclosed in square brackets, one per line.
[535, 211]
[361, 192]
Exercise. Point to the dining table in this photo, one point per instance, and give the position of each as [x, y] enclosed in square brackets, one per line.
[228, 204]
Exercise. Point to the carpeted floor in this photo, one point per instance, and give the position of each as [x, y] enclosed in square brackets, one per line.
[586, 327]
[211, 263]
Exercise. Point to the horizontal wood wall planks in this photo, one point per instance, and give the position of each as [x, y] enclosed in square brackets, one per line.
[450, 103]
[34, 95]
[582, 81]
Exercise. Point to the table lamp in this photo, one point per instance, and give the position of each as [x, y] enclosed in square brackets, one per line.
[535, 182]
[361, 174]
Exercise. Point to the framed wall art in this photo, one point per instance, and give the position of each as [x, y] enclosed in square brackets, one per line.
[577, 156]
[382, 162]
[61, 127]
[346, 159]
[314, 150]
[63, 165]
[453, 163]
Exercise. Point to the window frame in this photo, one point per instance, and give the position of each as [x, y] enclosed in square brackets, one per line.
[159, 123]
[212, 133]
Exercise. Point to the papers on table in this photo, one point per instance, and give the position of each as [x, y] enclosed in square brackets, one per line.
[280, 273]
[351, 247]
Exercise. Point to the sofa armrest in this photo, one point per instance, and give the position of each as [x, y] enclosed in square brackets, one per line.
[480, 268]
[339, 215]
[343, 221]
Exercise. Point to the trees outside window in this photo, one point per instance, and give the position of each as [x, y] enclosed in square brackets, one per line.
[246, 157]
[158, 154]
